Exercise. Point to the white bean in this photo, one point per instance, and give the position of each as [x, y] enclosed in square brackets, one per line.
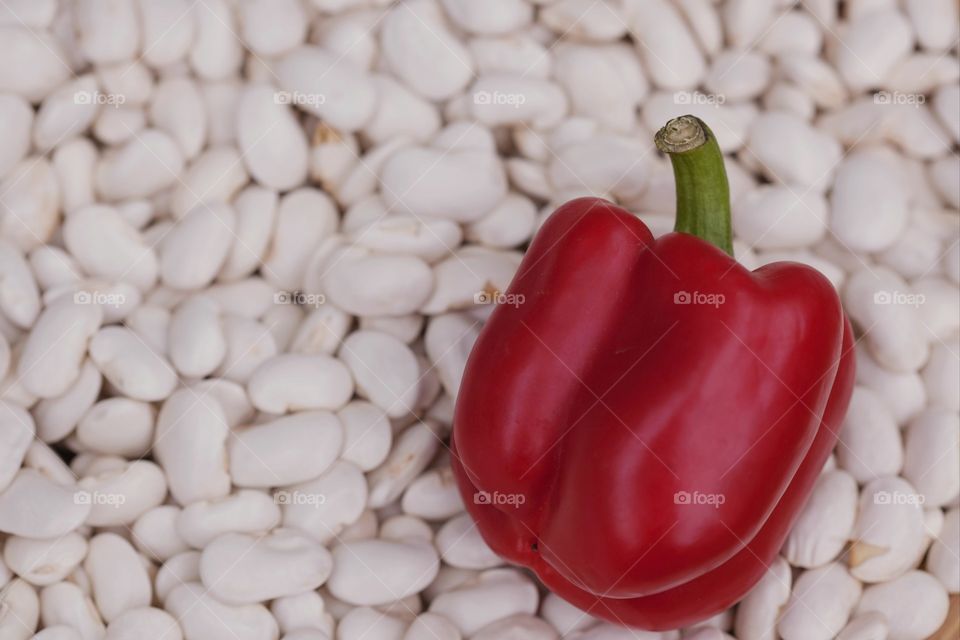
[330, 88]
[118, 576]
[402, 569]
[430, 626]
[323, 507]
[870, 445]
[366, 622]
[274, 146]
[929, 464]
[34, 62]
[204, 617]
[412, 453]
[271, 28]
[180, 569]
[19, 610]
[64, 510]
[285, 451]
[302, 611]
[811, 163]
[433, 496]
[448, 342]
[128, 363]
[879, 300]
[292, 382]
[367, 434]
[820, 604]
[65, 603]
[669, 51]
[460, 185]
[177, 108]
[366, 284]
[144, 623]
[427, 238]
[197, 246]
[460, 545]
[155, 533]
[491, 596]
[117, 426]
[943, 560]
[44, 562]
[190, 445]
[385, 370]
[54, 350]
[144, 165]
[888, 531]
[520, 625]
[246, 511]
[870, 47]
[120, 496]
[197, 343]
[870, 626]
[240, 568]
[17, 118]
[216, 51]
[400, 113]
[759, 611]
[106, 246]
[415, 37]
[778, 217]
[869, 180]
[915, 605]
[16, 433]
[823, 528]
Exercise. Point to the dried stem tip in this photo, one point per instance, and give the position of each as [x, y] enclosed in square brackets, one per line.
[680, 135]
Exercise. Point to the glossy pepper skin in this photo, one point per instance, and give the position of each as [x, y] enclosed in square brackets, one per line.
[643, 427]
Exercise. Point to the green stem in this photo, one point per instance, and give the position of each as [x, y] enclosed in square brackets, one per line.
[703, 195]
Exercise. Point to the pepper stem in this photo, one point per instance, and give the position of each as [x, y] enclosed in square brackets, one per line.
[703, 195]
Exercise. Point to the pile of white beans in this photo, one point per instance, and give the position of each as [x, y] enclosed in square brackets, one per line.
[245, 247]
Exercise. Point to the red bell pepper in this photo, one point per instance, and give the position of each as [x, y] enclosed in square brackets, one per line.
[642, 428]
